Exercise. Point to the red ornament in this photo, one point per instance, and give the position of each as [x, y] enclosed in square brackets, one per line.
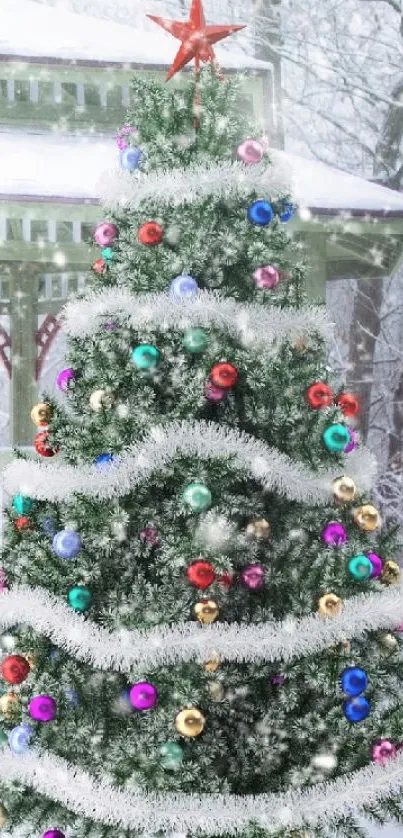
[42, 445]
[348, 403]
[99, 266]
[15, 669]
[224, 375]
[197, 38]
[150, 233]
[319, 395]
[23, 523]
[226, 579]
[201, 574]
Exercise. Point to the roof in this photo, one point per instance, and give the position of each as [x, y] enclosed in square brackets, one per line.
[52, 168]
[29, 29]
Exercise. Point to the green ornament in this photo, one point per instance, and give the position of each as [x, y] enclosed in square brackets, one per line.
[360, 567]
[22, 505]
[79, 598]
[336, 437]
[195, 340]
[171, 756]
[145, 357]
[197, 496]
[108, 253]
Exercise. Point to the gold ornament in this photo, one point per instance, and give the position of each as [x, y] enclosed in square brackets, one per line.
[216, 690]
[100, 399]
[190, 722]
[390, 573]
[41, 414]
[214, 662]
[206, 611]
[344, 489]
[9, 705]
[329, 605]
[3, 816]
[367, 517]
[32, 660]
[389, 642]
[260, 529]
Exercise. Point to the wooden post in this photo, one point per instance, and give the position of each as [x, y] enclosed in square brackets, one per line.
[23, 325]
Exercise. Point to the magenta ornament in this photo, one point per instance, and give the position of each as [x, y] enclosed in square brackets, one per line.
[105, 234]
[64, 378]
[250, 152]
[121, 139]
[334, 534]
[267, 276]
[214, 394]
[42, 708]
[382, 751]
[149, 535]
[143, 696]
[354, 440]
[377, 564]
[252, 577]
[53, 833]
[278, 680]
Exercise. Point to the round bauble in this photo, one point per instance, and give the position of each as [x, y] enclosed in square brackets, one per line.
[259, 529]
[190, 722]
[250, 152]
[121, 139]
[66, 544]
[19, 739]
[184, 287]
[143, 696]
[131, 159]
[100, 399]
[106, 234]
[382, 751]
[214, 394]
[10, 705]
[377, 565]
[213, 664]
[23, 523]
[150, 233]
[344, 489]
[334, 534]
[356, 709]
[286, 210]
[348, 403]
[390, 573]
[149, 535]
[41, 414]
[224, 375]
[104, 461]
[53, 833]
[360, 567]
[353, 680]
[171, 756]
[42, 708]
[195, 341]
[206, 611]
[200, 574]
[319, 395]
[65, 378]
[253, 577]
[15, 669]
[22, 504]
[354, 440]
[42, 445]
[99, 266]
[367, 517]
[330, 605]
[108, 254]
[146, 357]
[389, 642]
[260, 213]
[80, 598]
[3, 816]
[267, 276]
[197, 496]
[336, 437]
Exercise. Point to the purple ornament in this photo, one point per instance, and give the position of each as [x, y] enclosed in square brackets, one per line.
[42, 708]
[377, 564]
[110, 325]
[53, 833]
[105, 234]
[64, 378]
[213, 393]
[252, 577]
[278, 680]
[354, 441]
[334, 534]
[149, 535]
[143, 696]
[267, 276]
[250, 151]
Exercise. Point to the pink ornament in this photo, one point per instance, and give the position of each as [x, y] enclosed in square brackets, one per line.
[334, 534]
[64, 378]
[399, 629]
[105, 234]
[213, 393]
[252, 577]
[149, 535]
[121, 140]
[42, 708]
[354, 440]
[250, 152]
[267, 276]
[143, 696]
[383, 750]
[377, 564]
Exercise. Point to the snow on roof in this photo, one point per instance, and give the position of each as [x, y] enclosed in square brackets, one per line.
[69, 169]
[30, 29]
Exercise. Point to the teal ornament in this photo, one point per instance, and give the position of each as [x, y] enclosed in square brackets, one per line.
[146, 357]
[336, 437]
[195, 341]
[360, 567]
[197, 496]
[286, 211]
[22, 505]
[260, 213]
[171, 756]
[79, 598]
[108, 254]
[356, 709]
[130, 158]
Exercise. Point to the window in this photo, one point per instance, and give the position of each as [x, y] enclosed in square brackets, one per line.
[64, 232]
[46, 92]
[87, 231]
[114, 97]
[39, 230]
[14, 229]
[21, 91]
[92, 96]
[69, 93]
[246, 104]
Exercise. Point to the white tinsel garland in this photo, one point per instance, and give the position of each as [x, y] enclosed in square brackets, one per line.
[252, 323]
[122, 650]
[274, 470]
[214, 814]
[231, 180]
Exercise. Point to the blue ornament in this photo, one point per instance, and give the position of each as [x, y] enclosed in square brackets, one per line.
[22, 505]
[336, 437]
[48, 525]
[108, 254]
[260, 213]
[145, 357]
[184, 287]
[105, 460]
[54, 654]
[286, 211]
[72, 697]
[19, 739]
[356, 709]
[66, 544]
[353, 680]
[131, 158]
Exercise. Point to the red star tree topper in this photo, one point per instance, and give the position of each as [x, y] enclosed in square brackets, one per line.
[197, 38]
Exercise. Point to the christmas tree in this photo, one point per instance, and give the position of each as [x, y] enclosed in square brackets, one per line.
[200, 603]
